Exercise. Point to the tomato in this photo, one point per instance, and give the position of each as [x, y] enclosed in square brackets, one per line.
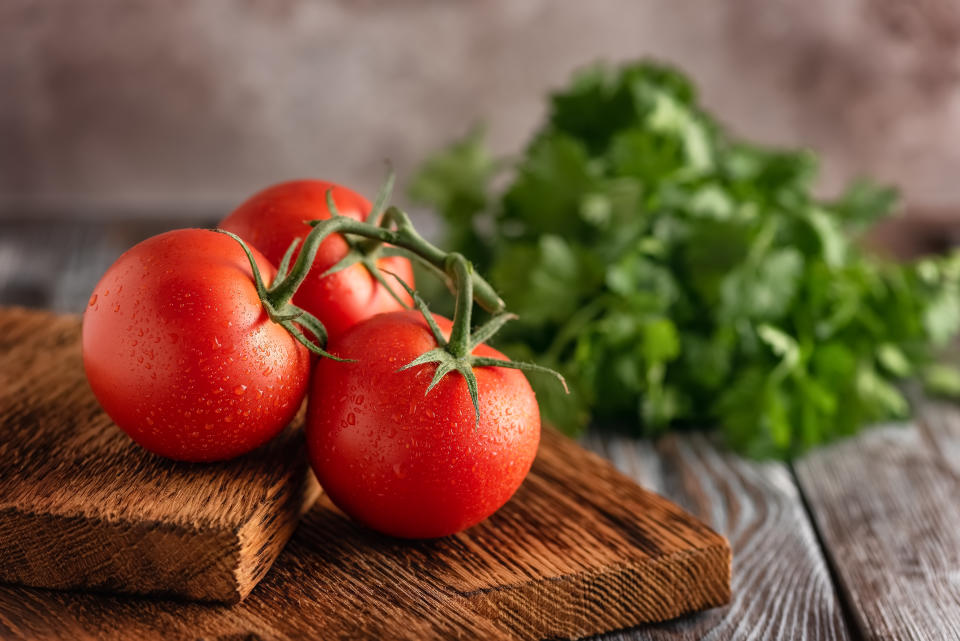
[181, 354]
[274, 218]
[411, 464]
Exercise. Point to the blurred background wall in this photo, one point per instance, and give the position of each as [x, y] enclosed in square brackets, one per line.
[137, 108]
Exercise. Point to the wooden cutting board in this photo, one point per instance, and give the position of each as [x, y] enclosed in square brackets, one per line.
[579, 550]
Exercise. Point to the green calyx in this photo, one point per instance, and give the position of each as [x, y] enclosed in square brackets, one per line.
[456, 354]
[276, 298]
[366, 251]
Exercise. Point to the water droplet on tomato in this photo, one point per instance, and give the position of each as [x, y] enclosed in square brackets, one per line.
[93, 300]
[239, 390]
[399, 471]
[351, 419]
[116, 308]
[215, 343]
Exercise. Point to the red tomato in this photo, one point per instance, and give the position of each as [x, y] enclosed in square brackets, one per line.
[409, 464]
[274, 218]
[181, 354]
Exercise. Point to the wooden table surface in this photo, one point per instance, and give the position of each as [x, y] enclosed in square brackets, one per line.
[858, 540]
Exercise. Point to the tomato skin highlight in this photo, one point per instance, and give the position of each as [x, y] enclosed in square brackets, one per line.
[181, 354]
[408, 464]
[273, 218]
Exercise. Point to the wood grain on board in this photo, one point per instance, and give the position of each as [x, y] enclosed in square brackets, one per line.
[886, 505]
[581, 549]
[82, 506]
[781, 585]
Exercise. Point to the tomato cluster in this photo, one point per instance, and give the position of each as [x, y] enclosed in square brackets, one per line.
[197, 343]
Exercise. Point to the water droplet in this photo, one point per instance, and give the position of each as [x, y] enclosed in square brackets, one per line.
[116, 307]
[133, 342]
[351, 419]
[140, 332]
[399, 471]
[215, 343]
[106, 293]
[93, 300]
[239, 390]
[359, 399]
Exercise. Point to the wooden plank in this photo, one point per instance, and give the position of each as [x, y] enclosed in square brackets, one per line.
[81, 506]
[579, 550]
[886, 506]
[781, 585]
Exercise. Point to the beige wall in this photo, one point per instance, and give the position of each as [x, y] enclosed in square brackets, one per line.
[111, 107]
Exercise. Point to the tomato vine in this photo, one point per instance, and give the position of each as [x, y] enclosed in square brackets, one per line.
[392, 233]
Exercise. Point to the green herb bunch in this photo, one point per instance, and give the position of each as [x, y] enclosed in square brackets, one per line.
[680, 277]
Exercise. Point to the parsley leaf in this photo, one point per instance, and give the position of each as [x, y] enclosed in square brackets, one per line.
[680, 277]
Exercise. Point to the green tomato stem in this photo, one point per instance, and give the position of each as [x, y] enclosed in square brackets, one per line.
[282, 291]
[402, 235]
[461, 272]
